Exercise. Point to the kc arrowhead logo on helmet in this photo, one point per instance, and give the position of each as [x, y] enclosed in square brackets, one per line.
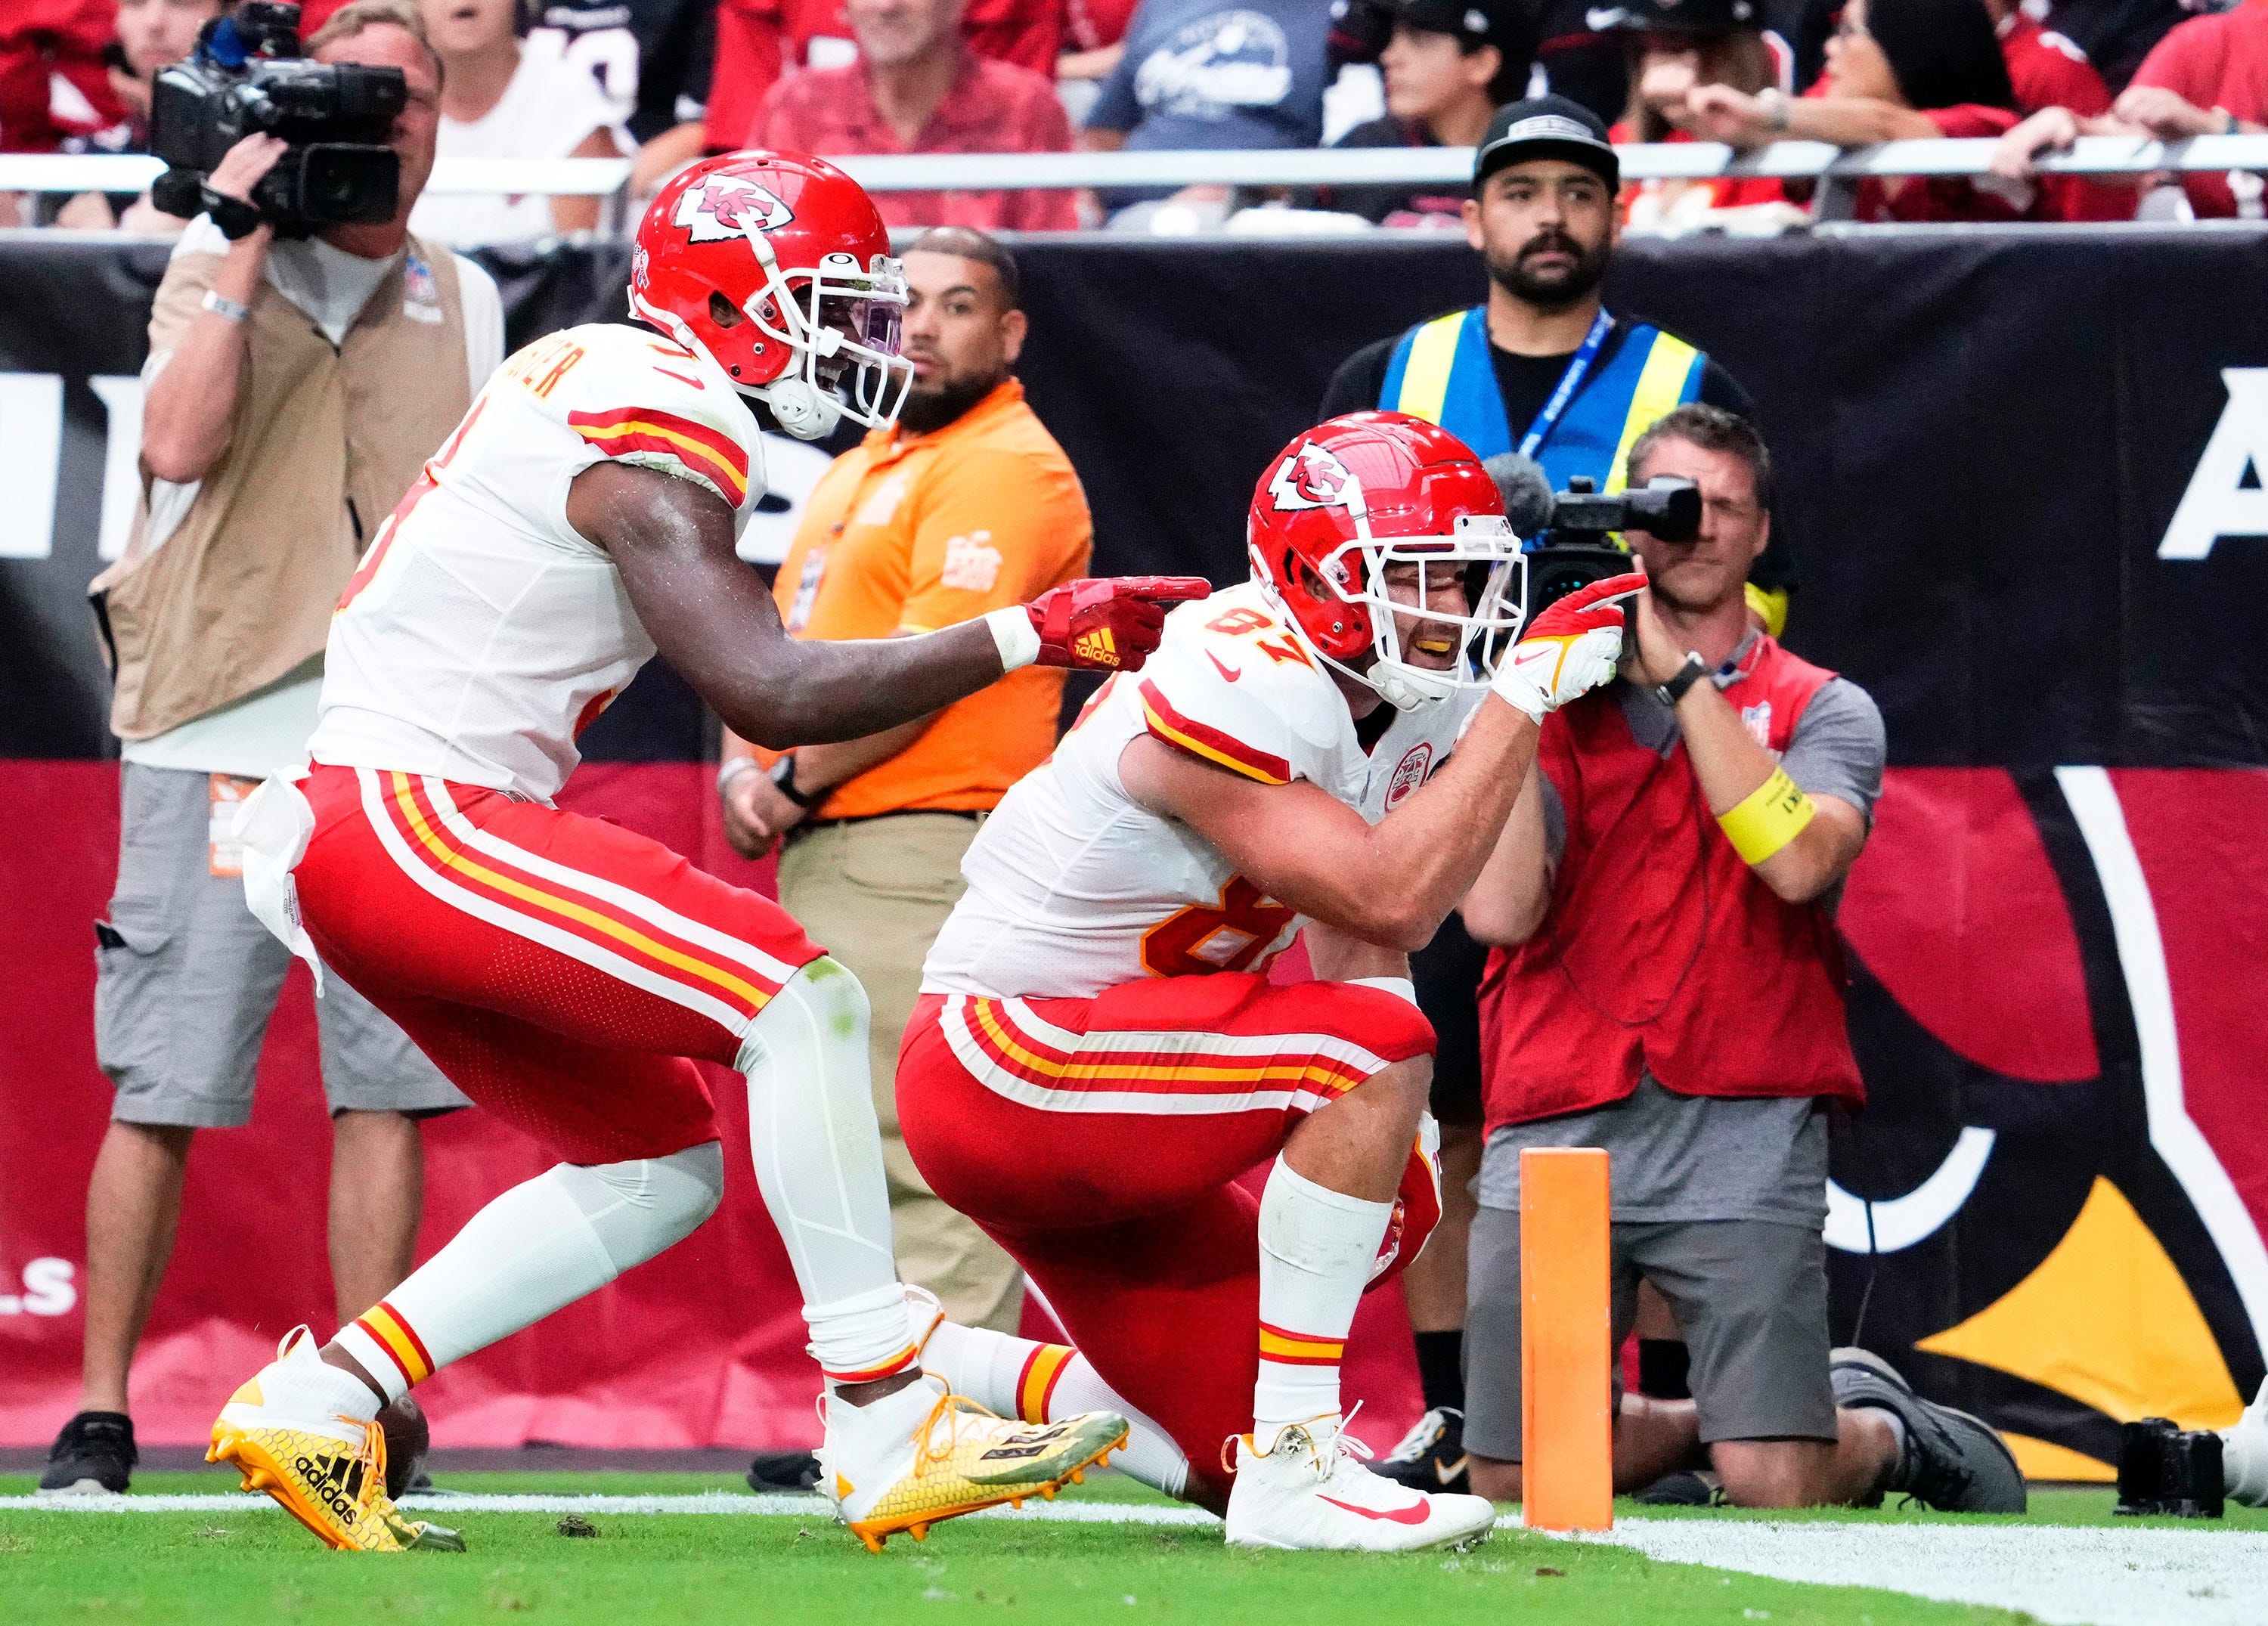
[725, 206]
[1311, 477]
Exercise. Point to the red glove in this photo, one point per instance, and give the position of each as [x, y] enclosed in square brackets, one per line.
[1569, 648]
[1108, 622]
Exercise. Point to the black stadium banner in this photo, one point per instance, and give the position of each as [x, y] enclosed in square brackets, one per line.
[2025, 473]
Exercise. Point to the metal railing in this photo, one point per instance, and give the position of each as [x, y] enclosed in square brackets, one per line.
[2093, 155]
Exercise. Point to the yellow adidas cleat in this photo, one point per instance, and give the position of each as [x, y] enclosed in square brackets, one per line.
[327, 1471]
[922, 1455]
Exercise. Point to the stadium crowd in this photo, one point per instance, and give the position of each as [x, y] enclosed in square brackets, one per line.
[663, 81]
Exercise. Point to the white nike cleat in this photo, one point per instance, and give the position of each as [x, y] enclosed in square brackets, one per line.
[2244, 1454]
[1309, 1489]
[923, 1456]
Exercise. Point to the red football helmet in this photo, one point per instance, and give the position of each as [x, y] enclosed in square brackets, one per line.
[1351, 497]
[810, 297]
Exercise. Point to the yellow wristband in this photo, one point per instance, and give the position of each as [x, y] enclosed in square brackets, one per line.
[1773, 815]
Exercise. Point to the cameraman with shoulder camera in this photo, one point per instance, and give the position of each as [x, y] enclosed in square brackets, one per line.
[1671, 989]
[295, 386]
[1541, 368]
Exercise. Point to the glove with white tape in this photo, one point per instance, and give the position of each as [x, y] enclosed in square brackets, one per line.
[1567, 650]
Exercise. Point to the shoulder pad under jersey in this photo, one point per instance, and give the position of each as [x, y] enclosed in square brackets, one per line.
[637, 397]
[1233, 685]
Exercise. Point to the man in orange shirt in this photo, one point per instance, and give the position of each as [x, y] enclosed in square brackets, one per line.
[969, 505]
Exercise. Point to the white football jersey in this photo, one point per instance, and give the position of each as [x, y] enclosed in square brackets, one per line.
[481, 633]
[1075, 887]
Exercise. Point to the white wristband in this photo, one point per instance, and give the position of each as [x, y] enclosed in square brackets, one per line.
[221, 304]
[732, 768]
[1018, 639]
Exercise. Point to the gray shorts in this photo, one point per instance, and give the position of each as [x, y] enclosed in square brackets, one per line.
[186, 979]
[1749, 1296]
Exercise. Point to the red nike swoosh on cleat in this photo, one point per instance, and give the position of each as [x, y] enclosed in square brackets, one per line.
[1232, 673]
[1414, 1514]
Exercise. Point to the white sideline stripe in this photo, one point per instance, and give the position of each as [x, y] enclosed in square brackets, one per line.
[715, 1502]
[2102, 821]
[2063, 1574]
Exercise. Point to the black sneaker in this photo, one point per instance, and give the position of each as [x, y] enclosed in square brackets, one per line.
[95, 1452]
[784, 1471]
[1683, 1488]
[1953, 1463]
[1432, 1455]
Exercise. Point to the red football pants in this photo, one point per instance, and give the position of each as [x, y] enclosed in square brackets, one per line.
[559, 969]
[1099, 1142]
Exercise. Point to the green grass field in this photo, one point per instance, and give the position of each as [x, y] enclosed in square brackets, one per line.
[253, 1564]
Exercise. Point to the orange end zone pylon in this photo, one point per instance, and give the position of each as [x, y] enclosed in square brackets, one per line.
[1566, 1334]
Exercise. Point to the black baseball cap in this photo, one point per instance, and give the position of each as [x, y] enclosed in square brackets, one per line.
[1501, 23]
[1694, 17]
[1361, 28]
[1547, 127]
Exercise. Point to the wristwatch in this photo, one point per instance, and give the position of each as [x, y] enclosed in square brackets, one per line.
[1685, 677]
[783, 777]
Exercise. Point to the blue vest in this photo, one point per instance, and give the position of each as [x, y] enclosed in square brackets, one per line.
[1440, 372]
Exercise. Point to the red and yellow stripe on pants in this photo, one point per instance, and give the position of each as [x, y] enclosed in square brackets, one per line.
[621, 929]
[398, 1339]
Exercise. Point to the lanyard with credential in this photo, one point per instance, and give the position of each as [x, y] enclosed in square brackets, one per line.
[1570, 381]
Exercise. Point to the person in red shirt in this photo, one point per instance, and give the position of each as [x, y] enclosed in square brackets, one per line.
[2209, 77]
[917, 87]
[1677, 45]
[2046, 69]
[1900, 71]
[53, 81]
[1093, 38]
[758, 41]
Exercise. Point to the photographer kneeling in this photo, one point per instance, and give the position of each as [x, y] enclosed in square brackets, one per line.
[1670, 989]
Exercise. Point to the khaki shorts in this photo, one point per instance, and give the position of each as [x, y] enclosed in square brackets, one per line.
[1749, 1296]
[876, 892]
[186, 979]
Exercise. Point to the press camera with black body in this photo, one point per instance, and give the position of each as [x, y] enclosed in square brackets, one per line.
[1574, 523]
[247, 76]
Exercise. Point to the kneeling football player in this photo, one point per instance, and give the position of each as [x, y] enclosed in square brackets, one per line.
[566, 973]
[1315, 747]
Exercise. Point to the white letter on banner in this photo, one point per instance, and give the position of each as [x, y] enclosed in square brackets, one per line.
[31, 459]
[121, 457]
[2216, 506]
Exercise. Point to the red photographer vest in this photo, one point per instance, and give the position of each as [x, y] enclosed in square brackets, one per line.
[1661, 950]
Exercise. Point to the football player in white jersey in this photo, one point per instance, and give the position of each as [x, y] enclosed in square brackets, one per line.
[1316, 748]
[567, 973]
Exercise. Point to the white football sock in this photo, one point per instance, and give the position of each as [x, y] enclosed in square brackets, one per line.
[299, 1384]
[818, 1153]
[2244, 1454]
[1046, 1383]
[536, 1248]
[1316, 1249]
